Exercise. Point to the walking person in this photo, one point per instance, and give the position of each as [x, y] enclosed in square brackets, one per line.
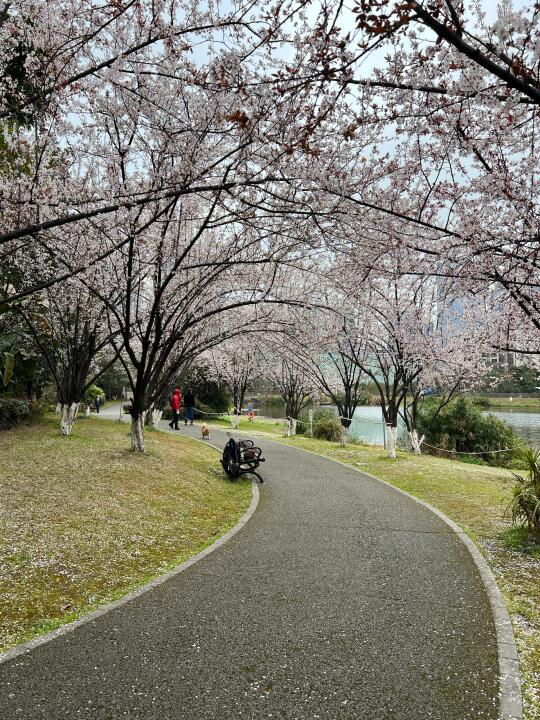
[175, 407]
[250, 411]
[97, 403]
[189, 407]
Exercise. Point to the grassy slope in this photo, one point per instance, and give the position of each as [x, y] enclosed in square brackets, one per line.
[83, 520]
[475, 497]
[517, 403]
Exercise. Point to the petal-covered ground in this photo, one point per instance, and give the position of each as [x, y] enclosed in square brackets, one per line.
[84, 520]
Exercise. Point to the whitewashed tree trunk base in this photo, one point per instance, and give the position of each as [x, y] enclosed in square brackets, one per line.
[58, 408]
[416, 442]
[391, 441]
[87, 411]
[156, 417]
[344, 437]
[137, 433]
[293, 426]
[69, 413]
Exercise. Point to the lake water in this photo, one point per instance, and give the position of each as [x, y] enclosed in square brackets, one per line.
[367, 424]
[525, 423]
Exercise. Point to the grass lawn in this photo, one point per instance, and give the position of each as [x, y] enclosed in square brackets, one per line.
[504, 403]
[475, 496]
[83, 520]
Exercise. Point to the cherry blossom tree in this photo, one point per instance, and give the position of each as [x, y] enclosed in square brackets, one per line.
[292, 381]
[454, 355]
[74, 71]
[237, 363]
[461, 93]
[323, 348]
[389, 319]
[69, 329]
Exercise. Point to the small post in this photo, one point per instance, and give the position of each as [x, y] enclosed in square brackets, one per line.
[383, 428]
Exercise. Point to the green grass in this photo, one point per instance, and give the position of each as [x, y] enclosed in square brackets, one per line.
[83, 520]
[475, 496]
[504, 403]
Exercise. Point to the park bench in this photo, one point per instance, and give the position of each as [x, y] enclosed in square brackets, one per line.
[241, 457]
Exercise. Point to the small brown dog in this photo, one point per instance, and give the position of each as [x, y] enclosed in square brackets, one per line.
[205, 430]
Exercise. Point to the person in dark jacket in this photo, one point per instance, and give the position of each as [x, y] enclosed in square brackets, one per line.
[175, 407]
[189, 407]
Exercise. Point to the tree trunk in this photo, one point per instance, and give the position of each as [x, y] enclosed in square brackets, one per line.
[241, 398]
[236, 401]
[156, 417]
[58, 408]
[137, 433]
[87, 411]
[416, 442]
[287, 428]
[344, 436]
[69, 413]
[391, 440]
[293, 426]
[148, 415]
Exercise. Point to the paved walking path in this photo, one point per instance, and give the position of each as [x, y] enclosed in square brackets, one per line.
[340, 599]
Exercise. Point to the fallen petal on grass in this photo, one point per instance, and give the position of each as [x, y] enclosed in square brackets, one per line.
[83, 520]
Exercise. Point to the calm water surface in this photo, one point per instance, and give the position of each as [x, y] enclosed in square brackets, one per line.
[526, 423]
[367, 424]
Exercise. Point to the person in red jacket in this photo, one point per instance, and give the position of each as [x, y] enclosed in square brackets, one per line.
[176, 401]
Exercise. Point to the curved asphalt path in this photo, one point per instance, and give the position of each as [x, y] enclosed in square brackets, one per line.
[340, 599]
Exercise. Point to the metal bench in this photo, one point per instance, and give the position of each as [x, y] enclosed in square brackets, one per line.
[241, 457]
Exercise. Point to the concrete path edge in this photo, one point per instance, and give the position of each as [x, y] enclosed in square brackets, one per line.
[510, 698]
[27, 647]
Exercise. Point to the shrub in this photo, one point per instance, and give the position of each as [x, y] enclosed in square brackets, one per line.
[37, 409]
[210, 412]
[92, 393]
[525, 503]
[320, 415]
[481, 403]
[328, 429]
[13, 412]
[462, 427]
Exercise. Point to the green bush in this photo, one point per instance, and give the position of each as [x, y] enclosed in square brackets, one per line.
[328, 429]
[319, 416]
[92, 393]
[13, 412]
[211, 413]
[167, 413]
[462, 427]
[37, 409]
[525, 503]
[481, 403]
